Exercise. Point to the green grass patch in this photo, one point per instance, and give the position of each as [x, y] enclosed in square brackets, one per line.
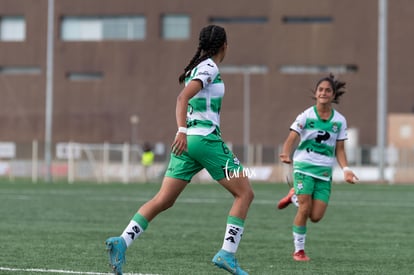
[367, 229]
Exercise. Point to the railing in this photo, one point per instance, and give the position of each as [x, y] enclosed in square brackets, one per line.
[122, 162]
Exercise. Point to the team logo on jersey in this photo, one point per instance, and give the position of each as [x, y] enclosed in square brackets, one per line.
[300, 185]
[322, 136]
[300, 126]
[207, 73]
[335, 127]
[311, 124]
[203, 73]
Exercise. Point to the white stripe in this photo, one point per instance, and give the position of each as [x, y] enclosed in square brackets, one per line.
[41, 270]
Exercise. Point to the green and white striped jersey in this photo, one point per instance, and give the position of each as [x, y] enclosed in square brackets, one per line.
[203, 112]
[315, 154]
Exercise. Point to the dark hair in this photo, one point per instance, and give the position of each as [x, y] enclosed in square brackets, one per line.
[210, 41]
[147, 147]
[338, 87]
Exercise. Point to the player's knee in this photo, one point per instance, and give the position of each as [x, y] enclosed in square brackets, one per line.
[303, 212]
[250, 195]
[246, 196]
[244, 193]
[314, 218]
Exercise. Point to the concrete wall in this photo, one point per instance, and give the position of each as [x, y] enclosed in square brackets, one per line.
[140, 77]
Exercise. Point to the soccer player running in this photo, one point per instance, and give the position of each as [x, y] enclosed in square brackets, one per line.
[319, 134]
[197, 145]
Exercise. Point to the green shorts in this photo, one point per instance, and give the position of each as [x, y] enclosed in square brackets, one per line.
[208, 152]
[308, 185]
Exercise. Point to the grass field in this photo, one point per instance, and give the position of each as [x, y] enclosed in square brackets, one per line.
[60, 228]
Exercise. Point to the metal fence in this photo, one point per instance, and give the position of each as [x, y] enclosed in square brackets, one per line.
[122, 162]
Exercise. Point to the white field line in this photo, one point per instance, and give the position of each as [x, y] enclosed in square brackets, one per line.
[59, 271]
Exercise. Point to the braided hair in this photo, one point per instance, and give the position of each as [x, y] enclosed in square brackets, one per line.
[338, 87]
[210, 41]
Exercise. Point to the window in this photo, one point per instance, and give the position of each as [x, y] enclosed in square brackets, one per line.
[103, 28]
[87, 76]
[306, 19]
[12, 28]
[239, 20]
[175, 27]
[244, 69]
[317, 69]
[19, 70]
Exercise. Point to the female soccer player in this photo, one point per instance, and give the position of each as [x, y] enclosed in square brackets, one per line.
[197, 145]
[321, 132]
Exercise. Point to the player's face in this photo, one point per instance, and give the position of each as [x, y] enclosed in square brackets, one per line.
[224, 49]
[324, 93]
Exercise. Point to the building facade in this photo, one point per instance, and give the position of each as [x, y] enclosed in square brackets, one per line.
[116, 65]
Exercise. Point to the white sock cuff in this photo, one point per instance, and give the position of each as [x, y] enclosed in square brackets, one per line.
[232, 237]
[131, 232]
[294, 200]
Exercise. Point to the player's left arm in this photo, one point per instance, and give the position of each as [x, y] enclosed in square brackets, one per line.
[190, 90]
[349, 175]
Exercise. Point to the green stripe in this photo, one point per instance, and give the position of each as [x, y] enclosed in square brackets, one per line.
[317, 114]
[235, 220]
[141, 220]
[323, 171]
[194, 72]
[218, 79]
[198, 104]
[299, 229]
[191, 75]
[215, 104]
[332, 127]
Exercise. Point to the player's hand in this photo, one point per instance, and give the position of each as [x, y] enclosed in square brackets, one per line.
[350, 177]
[285, 158]
[180, 144]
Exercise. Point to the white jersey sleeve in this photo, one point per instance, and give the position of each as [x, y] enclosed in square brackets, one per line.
[299, 124]
[343, 132]
[206, 73]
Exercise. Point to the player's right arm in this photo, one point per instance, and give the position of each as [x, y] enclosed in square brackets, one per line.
[288, 145]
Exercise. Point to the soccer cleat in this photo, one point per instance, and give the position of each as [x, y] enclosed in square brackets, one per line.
[285, 201]
[227, 261]
[116, 248]
[300, 256]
